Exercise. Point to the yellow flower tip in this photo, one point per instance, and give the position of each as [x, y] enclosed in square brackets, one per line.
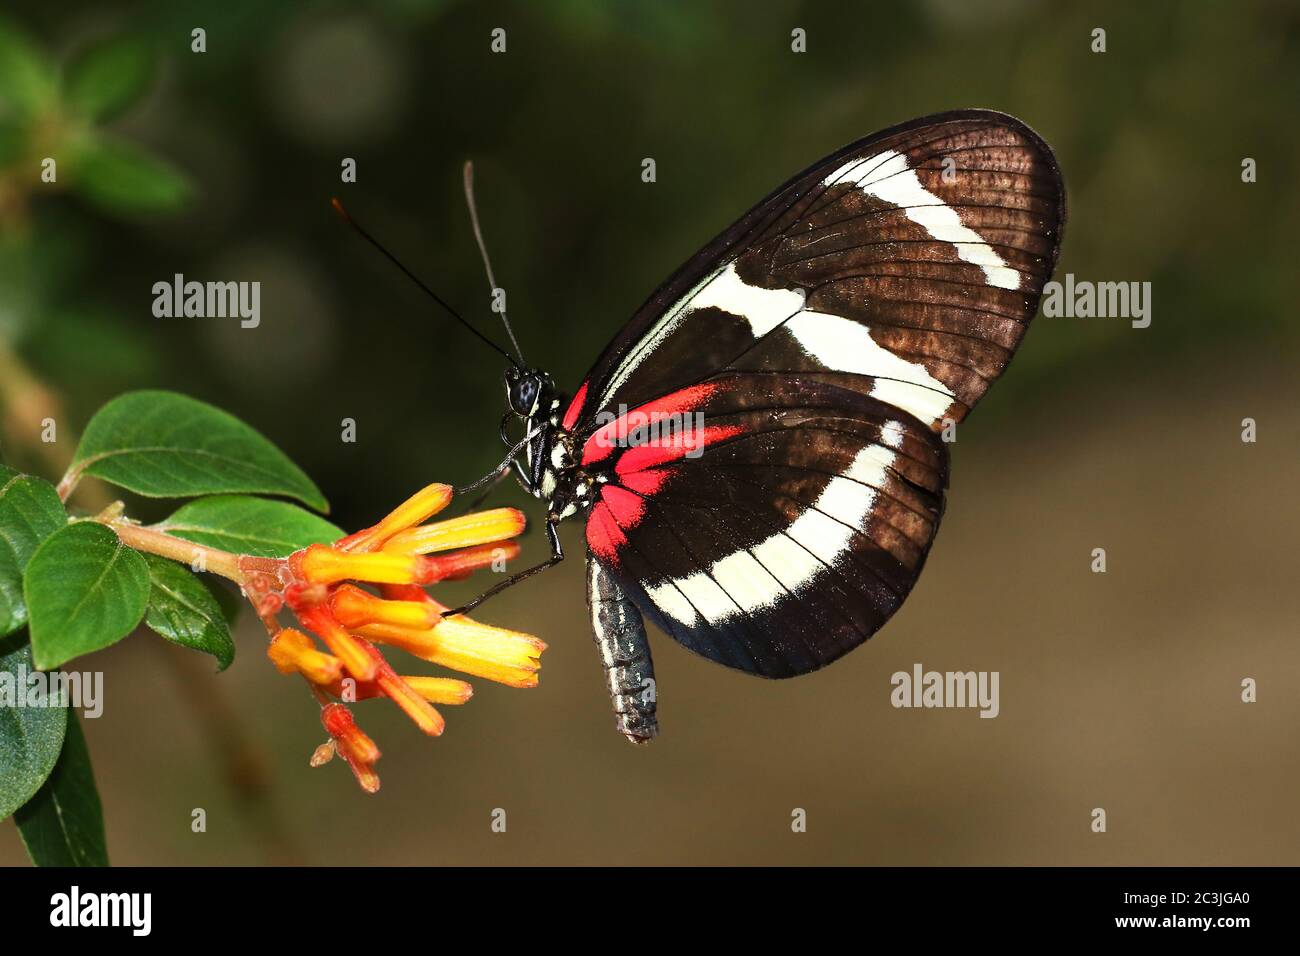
[425, 503]
[355, 608]
[321, 564]
[493, 653]
[292, 652]
[482, 527]
[441, 690]
[422, 505]
[517, 677]
[507, 657]
[469, 629]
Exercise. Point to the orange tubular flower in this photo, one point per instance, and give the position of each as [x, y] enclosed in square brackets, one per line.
[494, 653]
[354, 607]
[422, 505]
[316, 585]
[321, 564]
[496, 525]
[461, 564]
[352, 745]
[293, 652]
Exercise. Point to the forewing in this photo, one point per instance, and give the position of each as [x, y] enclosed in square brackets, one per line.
[906, 266]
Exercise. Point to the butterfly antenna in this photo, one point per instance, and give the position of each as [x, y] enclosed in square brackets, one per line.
[482, 248]
[347, 218]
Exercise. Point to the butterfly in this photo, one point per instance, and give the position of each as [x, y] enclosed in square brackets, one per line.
[758, 456]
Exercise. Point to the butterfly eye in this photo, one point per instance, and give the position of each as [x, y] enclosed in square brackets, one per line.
[522, 393]
[528, 392]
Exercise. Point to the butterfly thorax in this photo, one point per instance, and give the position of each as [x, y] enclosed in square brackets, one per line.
[563, 483]
[551, 462]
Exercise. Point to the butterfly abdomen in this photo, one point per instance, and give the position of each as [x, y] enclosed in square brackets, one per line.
[624, 653]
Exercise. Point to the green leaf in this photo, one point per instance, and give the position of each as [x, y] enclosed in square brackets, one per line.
[108, 78]
[164, 445]
[30, 511]
[183, 611]
[30, 737]
[123, 179]
[85, 590]
[63, 825]
[258, 526]
[26, 76]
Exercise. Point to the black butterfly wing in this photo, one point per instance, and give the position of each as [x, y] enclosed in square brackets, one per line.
[861, 305]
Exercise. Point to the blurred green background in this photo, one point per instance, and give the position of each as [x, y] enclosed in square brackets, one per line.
[1118, 690]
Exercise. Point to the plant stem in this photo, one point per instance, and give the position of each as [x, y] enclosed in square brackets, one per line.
[225, 563]
[68, 483]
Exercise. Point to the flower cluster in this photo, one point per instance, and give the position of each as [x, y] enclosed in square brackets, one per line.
[397, 557]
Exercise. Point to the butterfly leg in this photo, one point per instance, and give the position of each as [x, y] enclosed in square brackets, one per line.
[557, 555]
[624, 652]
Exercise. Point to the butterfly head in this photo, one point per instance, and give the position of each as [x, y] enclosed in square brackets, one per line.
[528, 391]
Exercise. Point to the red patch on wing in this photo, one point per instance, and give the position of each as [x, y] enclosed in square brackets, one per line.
[625, 507]
[604, 536]
[575, 408]
[646, 482]
[675, 447]
[620, 508]
[615, 434]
